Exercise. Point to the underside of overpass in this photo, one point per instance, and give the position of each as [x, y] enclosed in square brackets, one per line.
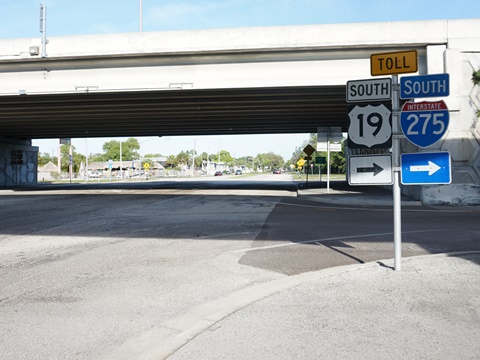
[243, 81]
[273, 110]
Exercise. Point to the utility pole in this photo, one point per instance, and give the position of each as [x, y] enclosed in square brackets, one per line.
[193, 156]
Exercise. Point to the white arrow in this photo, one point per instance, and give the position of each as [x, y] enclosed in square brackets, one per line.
[432, 168]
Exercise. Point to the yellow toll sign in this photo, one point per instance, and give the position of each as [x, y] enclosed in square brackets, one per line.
[394, 63]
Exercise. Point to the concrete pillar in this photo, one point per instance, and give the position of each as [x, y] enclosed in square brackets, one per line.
[18, 162]
[462, 139]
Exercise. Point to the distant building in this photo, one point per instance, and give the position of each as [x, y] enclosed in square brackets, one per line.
[45, 172]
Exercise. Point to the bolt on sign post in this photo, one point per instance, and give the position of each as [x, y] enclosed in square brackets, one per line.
[146, 166]
[324, 137]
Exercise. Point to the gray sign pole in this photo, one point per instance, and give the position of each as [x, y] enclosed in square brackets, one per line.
[328, 162]
[397, 202]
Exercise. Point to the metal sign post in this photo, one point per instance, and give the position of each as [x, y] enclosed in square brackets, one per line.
[328, 167]
[397, 195]
[377, 125]
[324, 136]
[309, 150]
[393, 64]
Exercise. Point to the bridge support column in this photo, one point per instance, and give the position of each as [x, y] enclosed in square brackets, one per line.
[462, 139]
[18, 162]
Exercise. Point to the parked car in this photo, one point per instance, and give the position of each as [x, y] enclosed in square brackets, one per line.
[238, 172]
[218, 173]
[277, 171]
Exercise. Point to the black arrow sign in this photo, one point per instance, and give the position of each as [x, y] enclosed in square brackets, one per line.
[375, 169]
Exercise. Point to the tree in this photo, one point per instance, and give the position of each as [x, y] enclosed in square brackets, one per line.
[183, 158]
[225, 157]
[44, 158]
[250, 161]
[130, 149]
[270, 160]
[337, 159]
[171, 161]
[98, 157]
[476, 77]
[476, 81]
[65, 159]
[152, 155]
[298, 153]
[199, 159]
[241, 161]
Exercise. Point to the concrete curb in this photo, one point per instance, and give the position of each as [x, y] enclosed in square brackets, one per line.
[171, 335]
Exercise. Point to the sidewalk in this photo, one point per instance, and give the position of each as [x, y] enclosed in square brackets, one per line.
[357, 195]
[429, 310]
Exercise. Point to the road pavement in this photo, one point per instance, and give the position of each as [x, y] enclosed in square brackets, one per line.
[219, 271]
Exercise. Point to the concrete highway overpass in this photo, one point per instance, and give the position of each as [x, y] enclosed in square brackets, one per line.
[228, 81]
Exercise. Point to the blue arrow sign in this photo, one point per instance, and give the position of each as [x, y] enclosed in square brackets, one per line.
[413, 87]
[426, 168]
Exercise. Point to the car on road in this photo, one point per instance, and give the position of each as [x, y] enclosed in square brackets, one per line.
[277, 171]
[218, 173]
[238, 172]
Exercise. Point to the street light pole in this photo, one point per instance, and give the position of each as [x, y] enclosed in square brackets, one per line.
[193, 157]
[43, 29]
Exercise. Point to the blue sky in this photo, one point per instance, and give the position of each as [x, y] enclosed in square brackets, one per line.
[20, 19]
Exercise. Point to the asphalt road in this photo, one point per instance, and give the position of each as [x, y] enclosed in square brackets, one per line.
[85, 269]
